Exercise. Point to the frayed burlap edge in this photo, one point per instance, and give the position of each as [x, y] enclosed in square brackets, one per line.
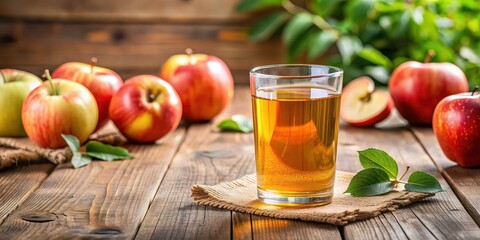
[203, 194]
[14, 151]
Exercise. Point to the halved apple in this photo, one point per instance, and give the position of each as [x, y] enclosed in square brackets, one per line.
[362, 105]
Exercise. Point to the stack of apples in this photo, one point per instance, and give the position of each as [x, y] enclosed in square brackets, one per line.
[79, 99]
[424, 94]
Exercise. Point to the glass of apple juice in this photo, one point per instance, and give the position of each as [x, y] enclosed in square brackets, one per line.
[296, 121]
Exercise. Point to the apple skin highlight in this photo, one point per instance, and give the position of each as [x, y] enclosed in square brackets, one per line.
[456, 124]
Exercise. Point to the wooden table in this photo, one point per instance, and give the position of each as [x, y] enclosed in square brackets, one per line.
[149, 197]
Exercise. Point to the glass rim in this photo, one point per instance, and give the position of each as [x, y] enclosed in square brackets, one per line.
[253, 71]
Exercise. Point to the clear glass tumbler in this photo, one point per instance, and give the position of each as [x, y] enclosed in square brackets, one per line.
[296, 121]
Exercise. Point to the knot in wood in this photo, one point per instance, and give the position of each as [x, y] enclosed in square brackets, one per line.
[39, 217]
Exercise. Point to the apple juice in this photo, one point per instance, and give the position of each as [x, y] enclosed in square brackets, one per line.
[296, 129]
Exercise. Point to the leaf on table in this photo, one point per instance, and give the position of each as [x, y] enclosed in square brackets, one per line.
[106, 152]
[370, 182]
[80, 160]
[237, 123]
[423, 182]
[72, 142]
[267, 26]
[376, 158]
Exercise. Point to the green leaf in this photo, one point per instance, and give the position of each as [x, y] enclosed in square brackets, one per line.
[470, 55]
[254, 5]
[265, 28]
[106, 152]
[423, 182]
[348, 47]
[376, 158]
[72, 142]
[320, 42]
[323, 7]
[378, 73]
[237, 123]
[80, 160]
[358, 10]
[299, 46]
[370, 182]
[298, 25]
[374, 56]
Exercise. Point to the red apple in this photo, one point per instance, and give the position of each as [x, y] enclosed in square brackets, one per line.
[146, 108]
[456, 124]
[102, 82]
[364, 106]
[58, 107]
[15, 85]
[204, 84]
[416, 88]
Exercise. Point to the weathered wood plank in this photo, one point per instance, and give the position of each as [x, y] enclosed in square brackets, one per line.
[442, 216]
[103, 199]
[465, 182]
[122, 10]
[17, 183]
[266, 228]
[208, 157]
[242, 226]
[131, 48]
[205, 157]
[384, 226]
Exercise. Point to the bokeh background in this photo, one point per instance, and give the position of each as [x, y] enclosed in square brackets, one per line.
[130, 37]
[365, 37]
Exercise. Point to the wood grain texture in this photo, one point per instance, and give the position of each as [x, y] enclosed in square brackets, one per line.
[103, 199]
[130, 49]
[465, 182]
[242, 226]
[268, 228]
[205, 157]
[122, 10]
[441, 216]
[174, 215]
[385, 226]
[17, 183]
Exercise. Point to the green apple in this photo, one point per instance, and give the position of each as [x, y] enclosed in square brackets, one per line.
[57, 107]
[15, 85]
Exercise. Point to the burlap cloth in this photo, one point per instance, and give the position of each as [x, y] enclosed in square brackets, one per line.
[16, 151]
[241, 195]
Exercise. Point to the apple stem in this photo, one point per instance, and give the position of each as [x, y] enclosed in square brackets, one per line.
[189, 53]
[2, 77]
[403, 175]
[93, 62]
[151, 96]
[431, 53]
[474, 90]
[396, 182]
[49, 78]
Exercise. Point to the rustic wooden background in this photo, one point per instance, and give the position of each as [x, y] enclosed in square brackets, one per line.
[130, 37]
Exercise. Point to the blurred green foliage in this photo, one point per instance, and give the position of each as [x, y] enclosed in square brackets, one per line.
[372, 37]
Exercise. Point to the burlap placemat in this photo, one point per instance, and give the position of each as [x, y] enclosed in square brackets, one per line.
[15, 151]
[241, 195]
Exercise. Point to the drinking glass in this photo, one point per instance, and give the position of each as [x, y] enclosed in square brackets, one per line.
[296, 121]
